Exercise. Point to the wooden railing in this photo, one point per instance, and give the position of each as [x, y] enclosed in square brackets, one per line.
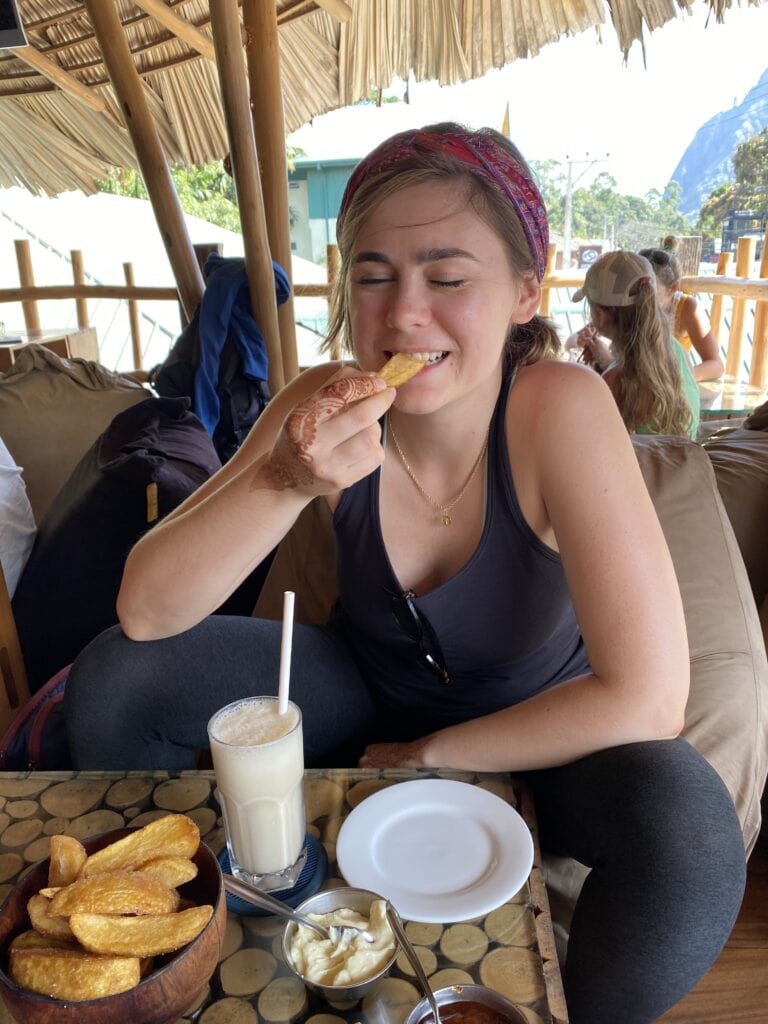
[742, 290]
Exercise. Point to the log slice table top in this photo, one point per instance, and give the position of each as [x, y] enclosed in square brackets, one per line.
[511, 949]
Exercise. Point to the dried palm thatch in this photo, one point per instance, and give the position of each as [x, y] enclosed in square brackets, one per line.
[61, 123]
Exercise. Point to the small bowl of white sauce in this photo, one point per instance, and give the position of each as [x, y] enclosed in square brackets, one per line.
[349, 968]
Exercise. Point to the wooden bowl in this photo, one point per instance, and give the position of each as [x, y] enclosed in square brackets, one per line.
[161, 997]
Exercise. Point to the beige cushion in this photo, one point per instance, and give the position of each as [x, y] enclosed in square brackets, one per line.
[727, 714]
[51, 412]
[740, 461]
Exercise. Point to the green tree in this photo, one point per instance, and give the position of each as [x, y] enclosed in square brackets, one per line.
[747, 190]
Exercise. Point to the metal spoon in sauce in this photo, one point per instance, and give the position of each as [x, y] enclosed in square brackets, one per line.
[396, 925]
[259, 898]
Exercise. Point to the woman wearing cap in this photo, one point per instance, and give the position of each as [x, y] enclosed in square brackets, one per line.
[645, 367]
[507, 600]
[687, 321]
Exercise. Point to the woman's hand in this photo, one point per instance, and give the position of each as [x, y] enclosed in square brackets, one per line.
[330, 440]
[596, 352]
[393, 755]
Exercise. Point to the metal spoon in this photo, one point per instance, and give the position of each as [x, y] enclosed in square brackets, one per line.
[396, 925]
[259, 898]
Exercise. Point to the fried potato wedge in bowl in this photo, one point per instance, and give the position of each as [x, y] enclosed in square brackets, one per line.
[162, 986]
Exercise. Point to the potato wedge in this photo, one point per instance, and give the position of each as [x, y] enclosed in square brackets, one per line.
[115, 892]
[172, 871]
[35, 940]
[71, 974]
[67, 858]
[42, 921]
[139, 936]
[175, 835]
[400, 368]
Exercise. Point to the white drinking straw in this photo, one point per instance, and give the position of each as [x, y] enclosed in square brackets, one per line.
[285, 652]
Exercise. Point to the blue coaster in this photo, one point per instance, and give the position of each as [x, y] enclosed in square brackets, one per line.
[309, 881]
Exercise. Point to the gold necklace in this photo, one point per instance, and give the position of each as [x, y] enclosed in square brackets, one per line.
[443, 509]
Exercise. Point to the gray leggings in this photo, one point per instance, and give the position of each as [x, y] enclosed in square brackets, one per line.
[652, 820]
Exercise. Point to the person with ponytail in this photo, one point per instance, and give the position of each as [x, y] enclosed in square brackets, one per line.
[687, 321]
[645, 367]
[506, 598]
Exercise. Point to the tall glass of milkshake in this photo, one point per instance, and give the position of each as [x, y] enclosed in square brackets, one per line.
[258, 758]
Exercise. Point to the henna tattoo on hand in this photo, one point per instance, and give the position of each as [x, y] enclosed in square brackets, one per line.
[290, 464]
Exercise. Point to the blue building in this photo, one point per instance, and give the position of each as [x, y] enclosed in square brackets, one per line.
[315, 188]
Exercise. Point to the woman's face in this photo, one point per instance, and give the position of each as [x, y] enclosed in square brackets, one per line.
[429, 275]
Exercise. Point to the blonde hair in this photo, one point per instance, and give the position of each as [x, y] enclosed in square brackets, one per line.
[525, 343]
[666, 266]
[648, 386]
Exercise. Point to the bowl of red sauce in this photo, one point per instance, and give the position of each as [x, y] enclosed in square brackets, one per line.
[467, 1004]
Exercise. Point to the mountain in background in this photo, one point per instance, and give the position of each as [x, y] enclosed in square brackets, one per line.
[706, 162]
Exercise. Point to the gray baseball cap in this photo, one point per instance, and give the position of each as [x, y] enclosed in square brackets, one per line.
[614, 278]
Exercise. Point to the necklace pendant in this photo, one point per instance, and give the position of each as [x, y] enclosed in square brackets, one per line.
[446, 519]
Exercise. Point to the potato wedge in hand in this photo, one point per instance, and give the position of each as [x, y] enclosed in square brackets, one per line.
[72, 974]
[139, 936]
[175, 835]
[115, 892]
[67, 858]
[172, 871]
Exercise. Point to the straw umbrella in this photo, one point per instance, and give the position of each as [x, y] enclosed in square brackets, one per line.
[134, 83]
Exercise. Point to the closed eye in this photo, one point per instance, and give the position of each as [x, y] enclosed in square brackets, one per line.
[449, 284]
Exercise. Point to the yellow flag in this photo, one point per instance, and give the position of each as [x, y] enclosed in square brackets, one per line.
[505, 123]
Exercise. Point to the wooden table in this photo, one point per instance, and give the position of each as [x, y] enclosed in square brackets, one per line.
[69, 343]
[511, 949]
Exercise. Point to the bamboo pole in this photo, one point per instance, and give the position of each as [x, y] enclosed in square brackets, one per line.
[745, 255]
[28, 293]
[225, 22]
[133, 317]
[146, 141]
[78, 276]
[12, 673]
[545, 305]
[724, 261]
[337, 9]
[27, 280]
[333, 262]
[262, 50]
[758, 367]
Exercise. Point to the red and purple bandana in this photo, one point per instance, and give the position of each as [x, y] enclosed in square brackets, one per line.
[483, 156]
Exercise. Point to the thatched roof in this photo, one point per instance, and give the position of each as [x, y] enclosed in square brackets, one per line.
[60, 122]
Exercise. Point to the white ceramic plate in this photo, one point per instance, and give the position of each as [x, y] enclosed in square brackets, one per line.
[440, 850]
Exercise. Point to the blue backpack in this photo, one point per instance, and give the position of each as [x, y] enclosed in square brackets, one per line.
[36, 739]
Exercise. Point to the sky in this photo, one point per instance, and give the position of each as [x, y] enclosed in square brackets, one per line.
[577, 99]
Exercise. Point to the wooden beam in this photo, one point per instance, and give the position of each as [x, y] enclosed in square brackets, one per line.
[745, 257]
[225, 21]
[146, 141]
[262, 49]
[758, 367]
[78, 275]
[27, 280]
[180, 27]
[60, 78]
[337, 9]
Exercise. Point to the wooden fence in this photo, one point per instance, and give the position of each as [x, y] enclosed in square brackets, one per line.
[727, 281]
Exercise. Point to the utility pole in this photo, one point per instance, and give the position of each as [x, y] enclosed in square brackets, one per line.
[568, 210]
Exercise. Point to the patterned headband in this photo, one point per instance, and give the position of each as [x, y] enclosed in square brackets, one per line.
[484, 157]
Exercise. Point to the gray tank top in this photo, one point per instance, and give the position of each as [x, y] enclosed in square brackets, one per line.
[504, 621]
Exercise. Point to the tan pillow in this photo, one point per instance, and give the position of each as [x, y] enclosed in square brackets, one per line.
[740, 461]
[726, 718]
[51, 412]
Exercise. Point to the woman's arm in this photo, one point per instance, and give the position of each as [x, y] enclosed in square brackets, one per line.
[580, 488]
[694, 321]
[315, 438]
